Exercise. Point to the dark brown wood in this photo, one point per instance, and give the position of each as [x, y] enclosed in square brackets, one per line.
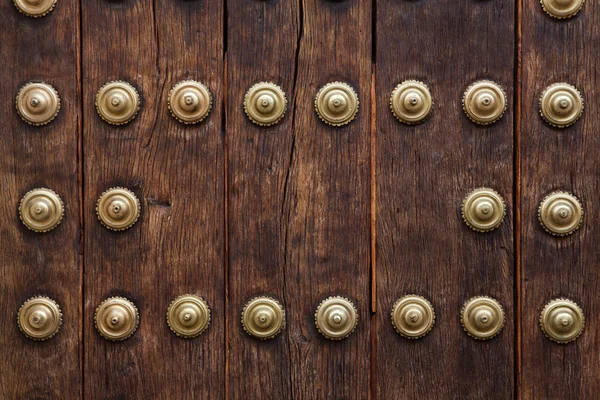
[177, 246]
[559, 159]
[423, 173]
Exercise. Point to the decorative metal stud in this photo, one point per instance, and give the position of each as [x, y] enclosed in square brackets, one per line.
[561, 105]
[118, 209]
[482, 317]
[413, 316]
[484, 102]
[41, 210]
[562, 321]
[263, 318]
[265, 103]
[483, 210]
[562, 9]
[190, 102]
[336, 103]
[188, 316]
[117, 102]
[38, 103]
[116, 318]
[39, 318]
[411, 102]
[35, 8]
[560, 213]
[336, 318]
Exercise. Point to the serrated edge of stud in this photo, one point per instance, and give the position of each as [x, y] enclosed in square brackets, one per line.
[327, 86]
[137, 319]
[285, 103]
[209, 314]
[336, 298]
[60, 322]
[62, 208]
[464, 97]
[210, 101]
[58, 104]
[139, 208]
[546, 198]
[462, 210]
[433, 316]
[559, 17]
[137, 95]
[546, 90]
[283, 316]
[462, 322]
[572, 303]
[36, 15]
[422, 120]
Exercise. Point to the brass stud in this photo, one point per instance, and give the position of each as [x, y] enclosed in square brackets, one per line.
[118, 209]
[482, 317]
[116, 318]
[413, 316]
[483, 210]
[411, 102]
[35, 8]
[117, 102]
[190, 102]
[39, 318]
[336, 318]
[562, 9]
[38, 103]
[561, 105]
[560, 213]
[265, 104]
[188, 316]
[41, 210]
[562, 321]
[263, 318]
[336, 103]
[484, 102]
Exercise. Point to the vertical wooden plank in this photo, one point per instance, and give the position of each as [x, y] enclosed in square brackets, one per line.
[33, 50]
[176, 171]
[559, 159]
[423, 174]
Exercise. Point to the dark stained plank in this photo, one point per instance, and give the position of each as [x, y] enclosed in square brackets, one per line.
[177, 171]
[423, 173]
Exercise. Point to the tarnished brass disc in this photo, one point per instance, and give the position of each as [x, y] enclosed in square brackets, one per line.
[190, 102]
[117, 102]
[560, 213]
[118, 209]
[482, 317]
[116, 318]
[484, 102]
[39, 318]
[413, 316]
[35, 8]
[483, 210]
[265, 103]
[411, 102]
[41, 210]
[188, 316]
[561, 105]
[336, 318]
[562, 9]
[263, 318]
[38, 103]
[562, 321]
[336, 103]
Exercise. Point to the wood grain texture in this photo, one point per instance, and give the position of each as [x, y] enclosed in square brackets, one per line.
[32, 263]
[560, 159]
[423, 174]
[177, 246]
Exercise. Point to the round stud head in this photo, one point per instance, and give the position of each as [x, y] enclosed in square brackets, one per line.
[482, 317]
[413, 316]
[560, 213]
[336, 103]
[35, 8]
[41, 210]
[561, 105]
[118, 209]
[117, 102]
[562, 321]
[562, 9]
[116, 318]
[190, 102]
[39, 318]
[483, 210]
[188, 316]
[265, 103]
[263, 318]
[37, 103]
[484, 102]
[411, 102]
[336, 318]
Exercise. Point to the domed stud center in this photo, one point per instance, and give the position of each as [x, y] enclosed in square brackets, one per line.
[413, 317]
[563, 104]
[263, 318]
[38, 319]
[337, 318]
[39, 211]
[484, 318]
[118, 210]
[187, 316]
[564, 321]
[116, 101]
[35, 102]
[485, 210]
[189, 100]
[114, 320]
[265, 104]
[486, 101]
